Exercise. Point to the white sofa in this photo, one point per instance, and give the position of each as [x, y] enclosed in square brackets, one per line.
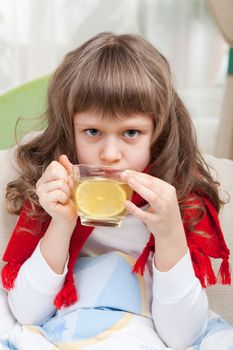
[220, 297]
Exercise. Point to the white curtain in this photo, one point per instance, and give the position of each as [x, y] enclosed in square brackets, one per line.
[35, 35]
[223, 14]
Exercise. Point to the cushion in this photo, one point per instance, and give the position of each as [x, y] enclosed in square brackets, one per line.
[25, 102]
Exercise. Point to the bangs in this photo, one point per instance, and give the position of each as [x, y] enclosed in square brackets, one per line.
[113, 82]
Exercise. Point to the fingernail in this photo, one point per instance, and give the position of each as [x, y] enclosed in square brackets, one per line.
[131, 182]
[126, 173]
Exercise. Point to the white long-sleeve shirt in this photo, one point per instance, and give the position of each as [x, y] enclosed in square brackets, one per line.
[178, 306]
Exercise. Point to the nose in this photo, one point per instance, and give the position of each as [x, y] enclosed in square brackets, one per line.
[110, 152]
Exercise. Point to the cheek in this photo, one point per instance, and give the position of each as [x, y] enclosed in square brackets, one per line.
[137, 162]
[80, 151]
[84, 153]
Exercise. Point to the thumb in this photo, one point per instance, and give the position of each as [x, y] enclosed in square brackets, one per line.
[63, 159]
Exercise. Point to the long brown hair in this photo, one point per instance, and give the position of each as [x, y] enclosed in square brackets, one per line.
[116, 75]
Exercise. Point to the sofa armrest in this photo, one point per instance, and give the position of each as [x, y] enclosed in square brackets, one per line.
[9, 172]
[221, 297]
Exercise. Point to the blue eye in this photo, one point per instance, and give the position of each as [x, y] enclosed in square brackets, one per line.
[92, 132]
[131, 133]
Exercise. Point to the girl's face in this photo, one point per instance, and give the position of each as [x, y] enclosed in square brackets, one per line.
[121, 143]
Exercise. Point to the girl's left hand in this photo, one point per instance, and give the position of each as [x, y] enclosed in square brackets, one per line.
[163, 217]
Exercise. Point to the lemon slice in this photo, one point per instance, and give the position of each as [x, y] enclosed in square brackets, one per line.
[100, 198]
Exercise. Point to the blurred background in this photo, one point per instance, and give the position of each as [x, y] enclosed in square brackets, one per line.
[35, 35]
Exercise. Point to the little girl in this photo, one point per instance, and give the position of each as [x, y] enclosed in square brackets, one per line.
[112, 102]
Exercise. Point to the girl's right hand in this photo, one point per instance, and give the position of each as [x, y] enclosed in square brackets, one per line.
[55, 191]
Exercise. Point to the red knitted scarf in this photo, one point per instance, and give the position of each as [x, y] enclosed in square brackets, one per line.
[202, 248]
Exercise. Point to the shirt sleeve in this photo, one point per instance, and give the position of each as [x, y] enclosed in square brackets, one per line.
[180, 305]
[31, 299]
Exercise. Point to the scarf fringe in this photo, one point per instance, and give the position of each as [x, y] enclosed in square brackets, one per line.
[224, 274]
[140, 264]
[9, 274]
[203, 268]
[209, 274]
[67, 295]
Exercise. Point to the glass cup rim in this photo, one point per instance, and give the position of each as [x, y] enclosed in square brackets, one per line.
[96, 166]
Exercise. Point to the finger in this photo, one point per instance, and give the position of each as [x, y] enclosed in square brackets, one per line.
[71, 183]
[54, 185]
[143, 215]
[150, 181]
[76, 172]
[63, 159]
[54, 171]
[162, 190]
[53, 197]
[150, 196]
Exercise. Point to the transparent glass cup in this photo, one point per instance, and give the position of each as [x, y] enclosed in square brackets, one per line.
[100, 195]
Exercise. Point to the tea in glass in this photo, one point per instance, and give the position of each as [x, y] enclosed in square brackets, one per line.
[100, 195]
